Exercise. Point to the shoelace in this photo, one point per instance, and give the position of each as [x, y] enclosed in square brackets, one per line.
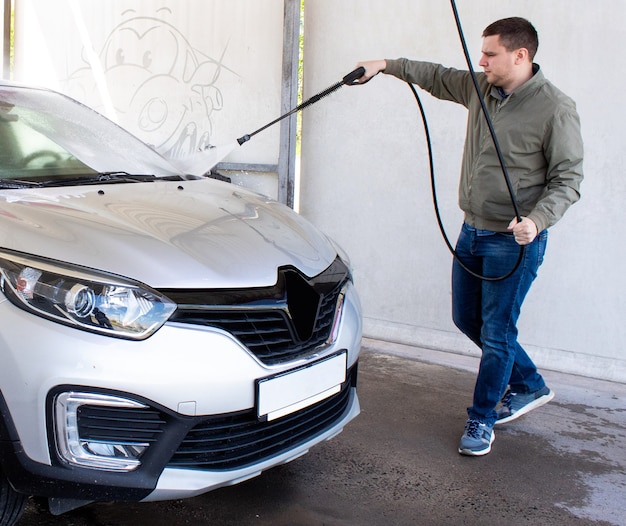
[472, 428]
[508, 399]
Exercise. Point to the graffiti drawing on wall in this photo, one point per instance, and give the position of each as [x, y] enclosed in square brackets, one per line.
[164, 90]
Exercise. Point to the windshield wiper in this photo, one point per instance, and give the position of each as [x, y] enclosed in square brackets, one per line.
[104, 177]
[86, 179]
[10, 184]
[98, 178]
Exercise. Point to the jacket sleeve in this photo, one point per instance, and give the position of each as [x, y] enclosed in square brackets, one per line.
[563, 149]
[441, 82]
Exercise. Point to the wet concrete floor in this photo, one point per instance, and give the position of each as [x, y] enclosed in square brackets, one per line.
[397, 464]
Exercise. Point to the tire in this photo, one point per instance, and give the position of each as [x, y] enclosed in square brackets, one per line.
[12, 503]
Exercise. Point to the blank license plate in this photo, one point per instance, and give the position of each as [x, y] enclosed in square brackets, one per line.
[288, 392]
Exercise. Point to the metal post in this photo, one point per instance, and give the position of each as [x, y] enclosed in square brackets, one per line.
[289, 99]
[6, 39]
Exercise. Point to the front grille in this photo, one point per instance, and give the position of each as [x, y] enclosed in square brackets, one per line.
[277, 324]
[234, 441]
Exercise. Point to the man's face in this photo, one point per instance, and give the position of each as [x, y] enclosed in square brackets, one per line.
[497, 63]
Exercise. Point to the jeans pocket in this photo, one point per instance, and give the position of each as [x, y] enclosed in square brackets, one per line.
[542, 243]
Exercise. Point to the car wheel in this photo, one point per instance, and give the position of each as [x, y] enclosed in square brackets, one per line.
[12, 503]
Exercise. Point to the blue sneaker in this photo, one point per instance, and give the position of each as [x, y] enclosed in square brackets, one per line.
[515, 405]
[477, 438]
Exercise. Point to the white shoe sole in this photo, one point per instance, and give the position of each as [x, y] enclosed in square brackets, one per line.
[527, 408]
[480, 453]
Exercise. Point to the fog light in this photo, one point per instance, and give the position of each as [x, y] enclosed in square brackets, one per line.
[109, 455]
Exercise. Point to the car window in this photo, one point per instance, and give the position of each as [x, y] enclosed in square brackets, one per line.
[26, 153]
[44, 134]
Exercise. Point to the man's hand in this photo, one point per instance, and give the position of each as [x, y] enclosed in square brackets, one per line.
[372, 68]
[525, 231]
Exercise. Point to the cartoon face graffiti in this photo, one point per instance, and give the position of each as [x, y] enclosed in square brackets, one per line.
[162, 88]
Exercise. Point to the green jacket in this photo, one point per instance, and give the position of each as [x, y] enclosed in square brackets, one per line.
[538, 130]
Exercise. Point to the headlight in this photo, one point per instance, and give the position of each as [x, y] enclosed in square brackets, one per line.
[83, 298]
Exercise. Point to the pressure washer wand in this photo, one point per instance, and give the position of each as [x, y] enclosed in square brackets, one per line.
[350, 78]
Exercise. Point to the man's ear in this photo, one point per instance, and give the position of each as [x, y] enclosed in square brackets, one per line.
[521, 55]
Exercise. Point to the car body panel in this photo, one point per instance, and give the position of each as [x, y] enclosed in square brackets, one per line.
[192, 234]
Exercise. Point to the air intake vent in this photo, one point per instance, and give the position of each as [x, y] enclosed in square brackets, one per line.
[234, 441]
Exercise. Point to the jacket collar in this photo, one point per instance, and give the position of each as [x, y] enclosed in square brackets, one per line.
[536, 80]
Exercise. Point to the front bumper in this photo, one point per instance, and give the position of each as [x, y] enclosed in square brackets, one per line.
[175, 483]
[191, 378]
[164, 476]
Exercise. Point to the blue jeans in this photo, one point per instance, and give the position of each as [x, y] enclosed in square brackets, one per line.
[487, 313]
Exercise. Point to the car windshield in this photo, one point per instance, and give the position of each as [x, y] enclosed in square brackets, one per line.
[48, 138]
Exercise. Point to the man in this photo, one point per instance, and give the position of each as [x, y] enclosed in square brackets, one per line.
[538, 130]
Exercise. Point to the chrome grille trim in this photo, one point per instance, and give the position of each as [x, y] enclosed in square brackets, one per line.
[277, 324]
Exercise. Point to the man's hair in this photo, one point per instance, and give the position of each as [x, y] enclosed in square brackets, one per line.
[515, 33]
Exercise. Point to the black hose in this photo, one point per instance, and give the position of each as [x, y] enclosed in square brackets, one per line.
[436, 205]
[498, 151]
[485, 112]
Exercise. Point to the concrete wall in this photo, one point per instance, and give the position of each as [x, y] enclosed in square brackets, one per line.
[365, 172]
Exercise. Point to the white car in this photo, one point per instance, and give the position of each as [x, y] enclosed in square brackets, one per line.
[161, 334]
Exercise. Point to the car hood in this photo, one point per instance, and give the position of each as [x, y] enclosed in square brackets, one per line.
[187, 234]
